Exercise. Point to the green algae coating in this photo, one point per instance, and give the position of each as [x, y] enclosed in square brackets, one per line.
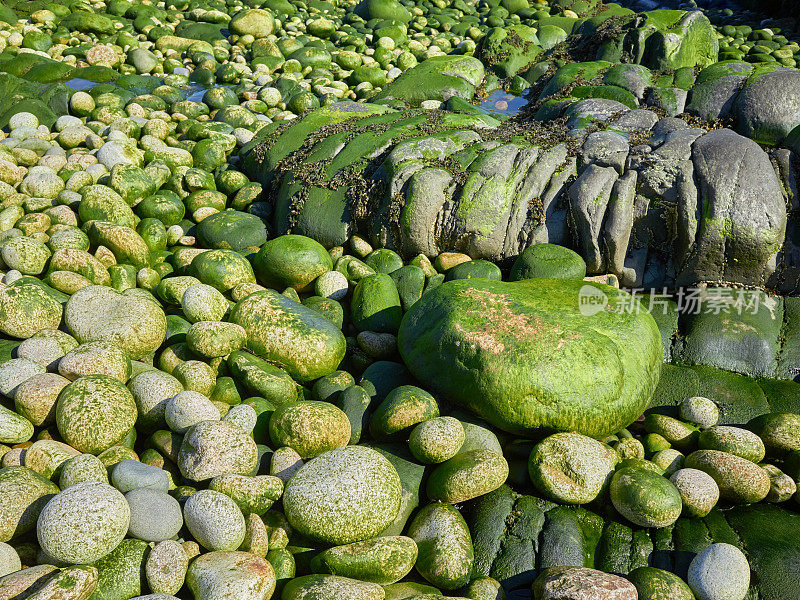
[95, 412]
[657, 584]
[570, 467]
[323, 587]
[445, 546]
[403, 407]
[26, 309]
[645, 498]
[382, 560]
[342, 496]
[291, 261]
[279, 329]
[467, 476]
[133, 323]
[535, 359]
[23, 495]
[309, 427]
[739, 480]
[83, 523]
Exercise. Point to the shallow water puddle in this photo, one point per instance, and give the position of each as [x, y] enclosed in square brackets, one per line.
[502, 103]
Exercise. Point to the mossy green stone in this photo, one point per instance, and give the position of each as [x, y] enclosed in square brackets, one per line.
[309, 427]
[23, 495]
[382, 560]
[538, 361]
[548, 260]
[222, 269]
[345, 495]
[26, 309]
[571, 468]
[279, 329]
[232, 230]
[95, 412]
[83, 523]
[322, 587]
[735, 440]
[131, 322]
[215, 339]
[436, 440]
[739, 480]
[656, 584]
[265, 379]
[120, 573]
[403, 407]
[466, 476]
[445, 548]
[251, 494]
[376, 304]
[291, 261]
[645, 498]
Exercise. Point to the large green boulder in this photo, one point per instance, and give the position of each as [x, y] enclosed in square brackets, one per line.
[438, 78]
[542, 353]
[300, 339]
[681, 39]
[510, 50]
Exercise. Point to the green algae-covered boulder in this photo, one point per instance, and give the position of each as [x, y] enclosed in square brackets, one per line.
[232, 230]
[446, 554]
[83, 523]
[26, 309]
[548, 260]
[221, 575]
[438, 78]
[23, 495]
[681, 39]
[343, 496]
[382, 560]
[557, 354]
[570, 467]
[95, 412]
[300, 339]
[320, 587]
[131, 322]
[291, 261]
[656, 584]
[645, 498]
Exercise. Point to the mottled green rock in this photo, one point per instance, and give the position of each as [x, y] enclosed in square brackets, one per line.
[539, 361]
[381, 560]
[291, 261]
[739, 480]
[656, 584]
[345, 495]
[467, 475]
[282, 330]
[231, 576]
[445, 546]
[83, 523]
[320, 587]
[26, 309]
[570, 467]
[94, 413]
[644, 497]
[132, 322]
[23, 495]
[309, 427]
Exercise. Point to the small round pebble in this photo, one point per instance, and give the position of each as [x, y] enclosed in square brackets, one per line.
[83, 523]
[131, 474]
[436, 440]
[189, 408]
[214, 520]
[155, 516]
[719, 572]
[699, 492]
[699, 410]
